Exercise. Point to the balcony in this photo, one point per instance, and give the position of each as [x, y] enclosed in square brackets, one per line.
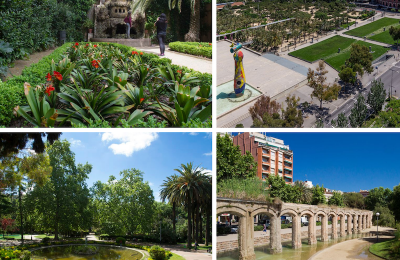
[287, 161]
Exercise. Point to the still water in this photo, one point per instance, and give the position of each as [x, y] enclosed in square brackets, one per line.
[303, 253]
[67, 253]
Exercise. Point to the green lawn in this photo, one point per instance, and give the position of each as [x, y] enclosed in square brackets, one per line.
[372, 27]
[176, 257]
[385, 249]
[15, 236]
[383, 37]
[339, 60]
[43, 236]
[323, 49]
[347, 24]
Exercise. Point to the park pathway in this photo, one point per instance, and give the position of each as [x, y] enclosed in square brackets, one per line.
[176, 249]
[203, 65]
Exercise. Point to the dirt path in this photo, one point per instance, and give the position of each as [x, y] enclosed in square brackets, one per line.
[19, 65]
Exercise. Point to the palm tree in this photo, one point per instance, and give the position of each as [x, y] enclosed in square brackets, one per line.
[170, 193]
[306, 193]
[194, 27]
[193, 187]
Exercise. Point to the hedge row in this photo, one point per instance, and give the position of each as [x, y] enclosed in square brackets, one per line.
[203, 49]
[11, 91]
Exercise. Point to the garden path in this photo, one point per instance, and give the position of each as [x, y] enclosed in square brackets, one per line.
[203, 65]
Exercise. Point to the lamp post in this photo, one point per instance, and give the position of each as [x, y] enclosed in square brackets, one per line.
[377, 218]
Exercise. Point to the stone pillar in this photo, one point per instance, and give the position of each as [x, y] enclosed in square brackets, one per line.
[275, 235]
[359, 223]
[355, 224]
[296, 232]
[343, 226]
[324, 229]
[334, 227]
[246, 238]
[312, 230]
[349, 224]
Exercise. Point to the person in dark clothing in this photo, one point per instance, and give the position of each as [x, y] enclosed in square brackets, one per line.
[128, 21]
[161, 25]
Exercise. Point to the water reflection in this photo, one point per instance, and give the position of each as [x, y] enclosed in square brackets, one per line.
[67, 253]
[303, 253]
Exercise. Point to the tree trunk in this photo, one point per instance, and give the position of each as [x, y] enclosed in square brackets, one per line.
[208, 226]
[174, 221]
[20, 213]
[194, 30]
[201, 226]
[56, 223]
[189, 232]
[197, 224]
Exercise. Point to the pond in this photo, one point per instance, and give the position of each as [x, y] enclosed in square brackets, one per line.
[303, 253]
[104, 252]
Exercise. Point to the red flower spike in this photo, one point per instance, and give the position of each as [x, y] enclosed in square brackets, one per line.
[120, 79]
[141, 53]
[76, 44]
[49, 89]
[141, 100]
[179, 71]
[95, 46]
[48, 77]
[57, 75]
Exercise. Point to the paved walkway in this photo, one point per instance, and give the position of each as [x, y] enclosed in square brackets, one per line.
[351, 249]
[197, 63]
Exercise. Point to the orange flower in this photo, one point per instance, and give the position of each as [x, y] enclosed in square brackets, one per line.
[210, 44]
[200, 46]
[141, 53]
[87, 44]
[58, 75]
[48, 77]
[49, 89]
[95, 46]
[141, 100]
[76, 44]
[134, 53]
[179, 71]
[147, 69]
[95, 63]
[120, 79]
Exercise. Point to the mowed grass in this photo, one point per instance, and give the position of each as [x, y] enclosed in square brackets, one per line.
[339, 60]
[383, 37]
[372, 27]
[383, 249]
[323, 49]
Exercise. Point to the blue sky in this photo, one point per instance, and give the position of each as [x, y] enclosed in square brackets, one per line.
[155, 154]
[345, 161]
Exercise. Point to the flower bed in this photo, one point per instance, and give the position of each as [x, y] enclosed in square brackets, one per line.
[107, 85]
[203, 49]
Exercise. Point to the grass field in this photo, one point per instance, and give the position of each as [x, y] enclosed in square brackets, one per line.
[323, 49]
[339, 60]
[383, 37]
[327, 50]
[372, 27]
[384, 249]
[15, 236]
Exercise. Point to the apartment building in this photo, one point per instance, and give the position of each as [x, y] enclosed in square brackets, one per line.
[271, 154]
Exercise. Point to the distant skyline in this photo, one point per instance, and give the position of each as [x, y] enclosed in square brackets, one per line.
[345, 161]
[155, 154]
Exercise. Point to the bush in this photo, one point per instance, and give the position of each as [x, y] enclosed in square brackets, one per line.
[120, 241]
[45, 240]
[203, 49]
[157, 253]
[258, 228]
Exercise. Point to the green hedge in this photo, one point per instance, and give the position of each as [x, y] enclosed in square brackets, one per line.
[11, 91]
[203, 49]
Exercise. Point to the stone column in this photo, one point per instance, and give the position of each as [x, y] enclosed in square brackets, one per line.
[359, 223]
[296, 232]
[312, 230]
[324, 229]
[343, 225]
[275, 235]
[349, 224]
[334, 227]
[246, 238]
[355, 224]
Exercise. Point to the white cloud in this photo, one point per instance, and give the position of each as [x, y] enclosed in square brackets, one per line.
[208, 135]
[207, 172]
[194, 133]
[207, 154]
[75, 143]
[151, 184]
[128, 142]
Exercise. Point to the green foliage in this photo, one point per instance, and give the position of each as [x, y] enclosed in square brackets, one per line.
[279, 189]
[347, 75]
[358, 112]
[360, 59]
[378, 196]
[341, 121]
[354, 200]
[389, 249]
[376, 96]
[318, 195]
[230, 161]
[157, 253]
[11, 253]
[336, 199]
[120, 241]
[395, 203]
[249, 188]
[195, 48]
[292, 117]
[45, 240]
[386, 217]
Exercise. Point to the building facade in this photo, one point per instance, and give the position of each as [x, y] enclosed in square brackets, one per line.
[271, 154]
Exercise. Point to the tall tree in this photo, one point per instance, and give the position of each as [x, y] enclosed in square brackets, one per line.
[336, 199]
[377, 196]
[395, 33]
[354, 200]
[194, 27]
[230, 161]
[317, 81]
[360, 59]
[376, 96]
[306, 193]
[292, 117]
[341, 121]
[318, 196]
[263, 105]
[358, 112]
[395, 202]
[169, 192]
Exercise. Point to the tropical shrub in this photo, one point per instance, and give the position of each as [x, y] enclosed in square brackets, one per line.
[120, 241]
[203, 49]
[157, 253]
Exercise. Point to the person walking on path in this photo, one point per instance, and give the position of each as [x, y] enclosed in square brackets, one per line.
[128, 21]
[265, 228]
[161, 25]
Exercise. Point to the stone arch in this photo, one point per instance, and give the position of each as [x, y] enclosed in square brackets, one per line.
[232, 210]
[324, 225]
[334, 224]
[275, 243]
[312, 228]
[296, 226]
[342, 226]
